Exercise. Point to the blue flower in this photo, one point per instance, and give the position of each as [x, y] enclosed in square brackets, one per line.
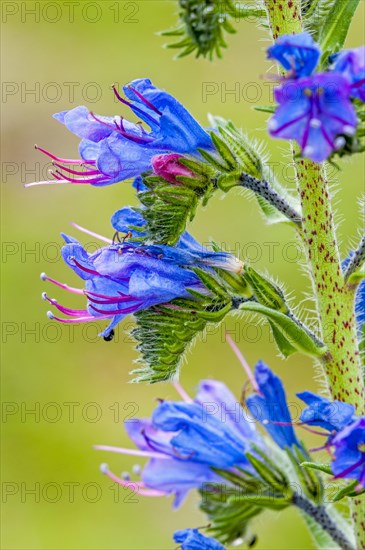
[349, 452]
[126, 277]
[114, 149]
[360, 296]
[297, 53]
[332, 416]
[351, 65]
[192, 539]
[184, 440]
[270, 407]
[316, 112]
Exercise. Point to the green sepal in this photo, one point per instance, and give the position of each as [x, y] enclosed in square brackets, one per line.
[265, 501]
[309, 478]
[212, 283]
[225, 182]
[217, 315]
[236, 282]
[224, 151]
[229, 518]
[265, 291]
[212, 160]
[291, 331]
[270, 474]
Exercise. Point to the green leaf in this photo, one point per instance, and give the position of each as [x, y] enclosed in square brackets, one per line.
[284, 345]
[291, 331]
[335, 26]
[325, 468]
[266, 109]
[348, 491]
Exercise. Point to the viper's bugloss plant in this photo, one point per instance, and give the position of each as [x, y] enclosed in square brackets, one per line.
[242, 457]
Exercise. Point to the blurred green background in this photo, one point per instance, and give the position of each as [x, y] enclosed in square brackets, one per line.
[56, 55]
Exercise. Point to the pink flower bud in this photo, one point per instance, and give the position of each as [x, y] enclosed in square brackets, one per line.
[168, 167]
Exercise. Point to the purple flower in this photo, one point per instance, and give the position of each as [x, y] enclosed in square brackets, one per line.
[332, 416]
[316, 112]
[126, 277]
[192, 539]
[113, 149]
[185, 439]
[297, 53]
[349, 452]
[270, 407]
[351, 65]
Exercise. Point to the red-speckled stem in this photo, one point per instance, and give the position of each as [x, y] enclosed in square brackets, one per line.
[334, 298]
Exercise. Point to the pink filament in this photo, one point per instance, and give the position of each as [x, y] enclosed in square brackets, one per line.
[243, 362]
[91, 233]
[141, 488]
[62, 285]
[133, 452]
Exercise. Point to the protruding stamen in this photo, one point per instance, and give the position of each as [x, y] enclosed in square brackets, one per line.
[77, 172]
[137, 139]
[91, 233]
[145, 101]
[65, 310]
[180, 390]
[141, 489]
[64, 161]
[124, 311]
[243, 362]
[132, 452]
[61, 285]
[45, 182]
[89, 180]
[85, 319]
[134, 107]
[83, 268]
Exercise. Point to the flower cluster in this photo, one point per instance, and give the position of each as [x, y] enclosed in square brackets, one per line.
[316, 109]
[190, 443]
[114, 149]
[185, 440]
[126, 276]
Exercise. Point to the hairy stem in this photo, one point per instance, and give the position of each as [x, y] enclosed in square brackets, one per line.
[264, 189]
[334, 298]
[320, 516]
